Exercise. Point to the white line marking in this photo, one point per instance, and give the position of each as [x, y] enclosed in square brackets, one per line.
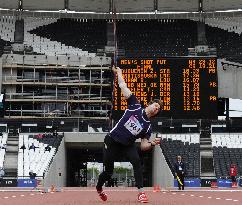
[182, 194]
[173, 193]
[218, 198]
[191, 195]
[6, 197]
[164, 192]
[235, 200]
[22, 195]
[228, 199]
[200, 196]
[32, 194]
[13, 196]
[209, 197]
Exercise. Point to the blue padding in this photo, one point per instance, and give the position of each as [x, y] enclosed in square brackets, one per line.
[27, 182]
[189, 182]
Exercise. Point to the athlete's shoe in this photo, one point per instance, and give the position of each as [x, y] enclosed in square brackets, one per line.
[142, 198]
[102, 195]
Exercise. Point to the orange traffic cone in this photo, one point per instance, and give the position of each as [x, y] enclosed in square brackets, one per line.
[234, 185]
[156, 188]
[52, 188]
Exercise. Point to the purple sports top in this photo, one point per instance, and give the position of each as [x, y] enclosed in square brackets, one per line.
[134, 124]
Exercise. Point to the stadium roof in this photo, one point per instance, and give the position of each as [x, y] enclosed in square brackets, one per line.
[122, 6]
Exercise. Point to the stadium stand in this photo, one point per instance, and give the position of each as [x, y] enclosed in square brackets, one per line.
[158, 37]
[227, 43]
[88, 35]
[36, 153]
[227, 24]
[186, 145]
[227, 149]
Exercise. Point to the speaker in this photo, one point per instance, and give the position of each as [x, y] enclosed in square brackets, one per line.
[19, 31]
[221, 107]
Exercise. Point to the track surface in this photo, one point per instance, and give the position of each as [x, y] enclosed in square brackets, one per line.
[122, 196]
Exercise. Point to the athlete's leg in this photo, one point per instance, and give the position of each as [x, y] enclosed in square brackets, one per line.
[133, 156]
[110, 151]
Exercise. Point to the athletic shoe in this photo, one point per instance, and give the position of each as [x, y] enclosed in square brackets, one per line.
[142, 198]
[102, 195]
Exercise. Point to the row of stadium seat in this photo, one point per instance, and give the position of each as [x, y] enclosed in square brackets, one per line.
[227, 140]
[38, 159]
[190, 153]
[190, 138]
[228, 24]
[61, 36]
[227, 150]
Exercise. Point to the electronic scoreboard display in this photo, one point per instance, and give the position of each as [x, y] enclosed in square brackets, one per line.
[187, 86]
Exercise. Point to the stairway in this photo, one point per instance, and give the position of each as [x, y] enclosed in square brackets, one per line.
[11, 157]
[206, 154]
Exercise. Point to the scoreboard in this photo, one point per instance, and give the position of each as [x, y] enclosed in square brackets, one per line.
[187, 86]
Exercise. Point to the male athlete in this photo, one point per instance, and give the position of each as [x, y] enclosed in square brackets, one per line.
[133, 125]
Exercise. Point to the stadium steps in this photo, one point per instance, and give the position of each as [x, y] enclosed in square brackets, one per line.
[205, 144]
[206, 153]
[11, 156]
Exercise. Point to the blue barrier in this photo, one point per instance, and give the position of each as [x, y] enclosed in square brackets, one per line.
[224, 183]
[189, 182]
[27, 182]
[240, 182]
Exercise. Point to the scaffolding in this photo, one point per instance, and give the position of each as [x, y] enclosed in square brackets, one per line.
[39, 86]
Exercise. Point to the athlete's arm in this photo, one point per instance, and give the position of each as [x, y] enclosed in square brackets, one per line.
[123, 86]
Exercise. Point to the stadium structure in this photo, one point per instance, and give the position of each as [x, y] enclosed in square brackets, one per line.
[56, 85]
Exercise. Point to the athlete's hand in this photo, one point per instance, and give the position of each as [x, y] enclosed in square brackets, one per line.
[116, 69]
[157, 140]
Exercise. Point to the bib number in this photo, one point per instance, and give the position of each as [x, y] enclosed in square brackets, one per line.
[133, 125]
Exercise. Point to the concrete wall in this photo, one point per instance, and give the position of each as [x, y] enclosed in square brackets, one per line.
[162, 174]
[229, 80]
[59, 163]
[58, 166]
[84, 137]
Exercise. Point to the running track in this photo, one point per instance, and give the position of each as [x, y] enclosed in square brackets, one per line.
[122, 196]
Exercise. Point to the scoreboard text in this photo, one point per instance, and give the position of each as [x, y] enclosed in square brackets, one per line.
[187, 87]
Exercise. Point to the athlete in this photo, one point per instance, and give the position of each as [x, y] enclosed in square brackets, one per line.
[134, 124]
